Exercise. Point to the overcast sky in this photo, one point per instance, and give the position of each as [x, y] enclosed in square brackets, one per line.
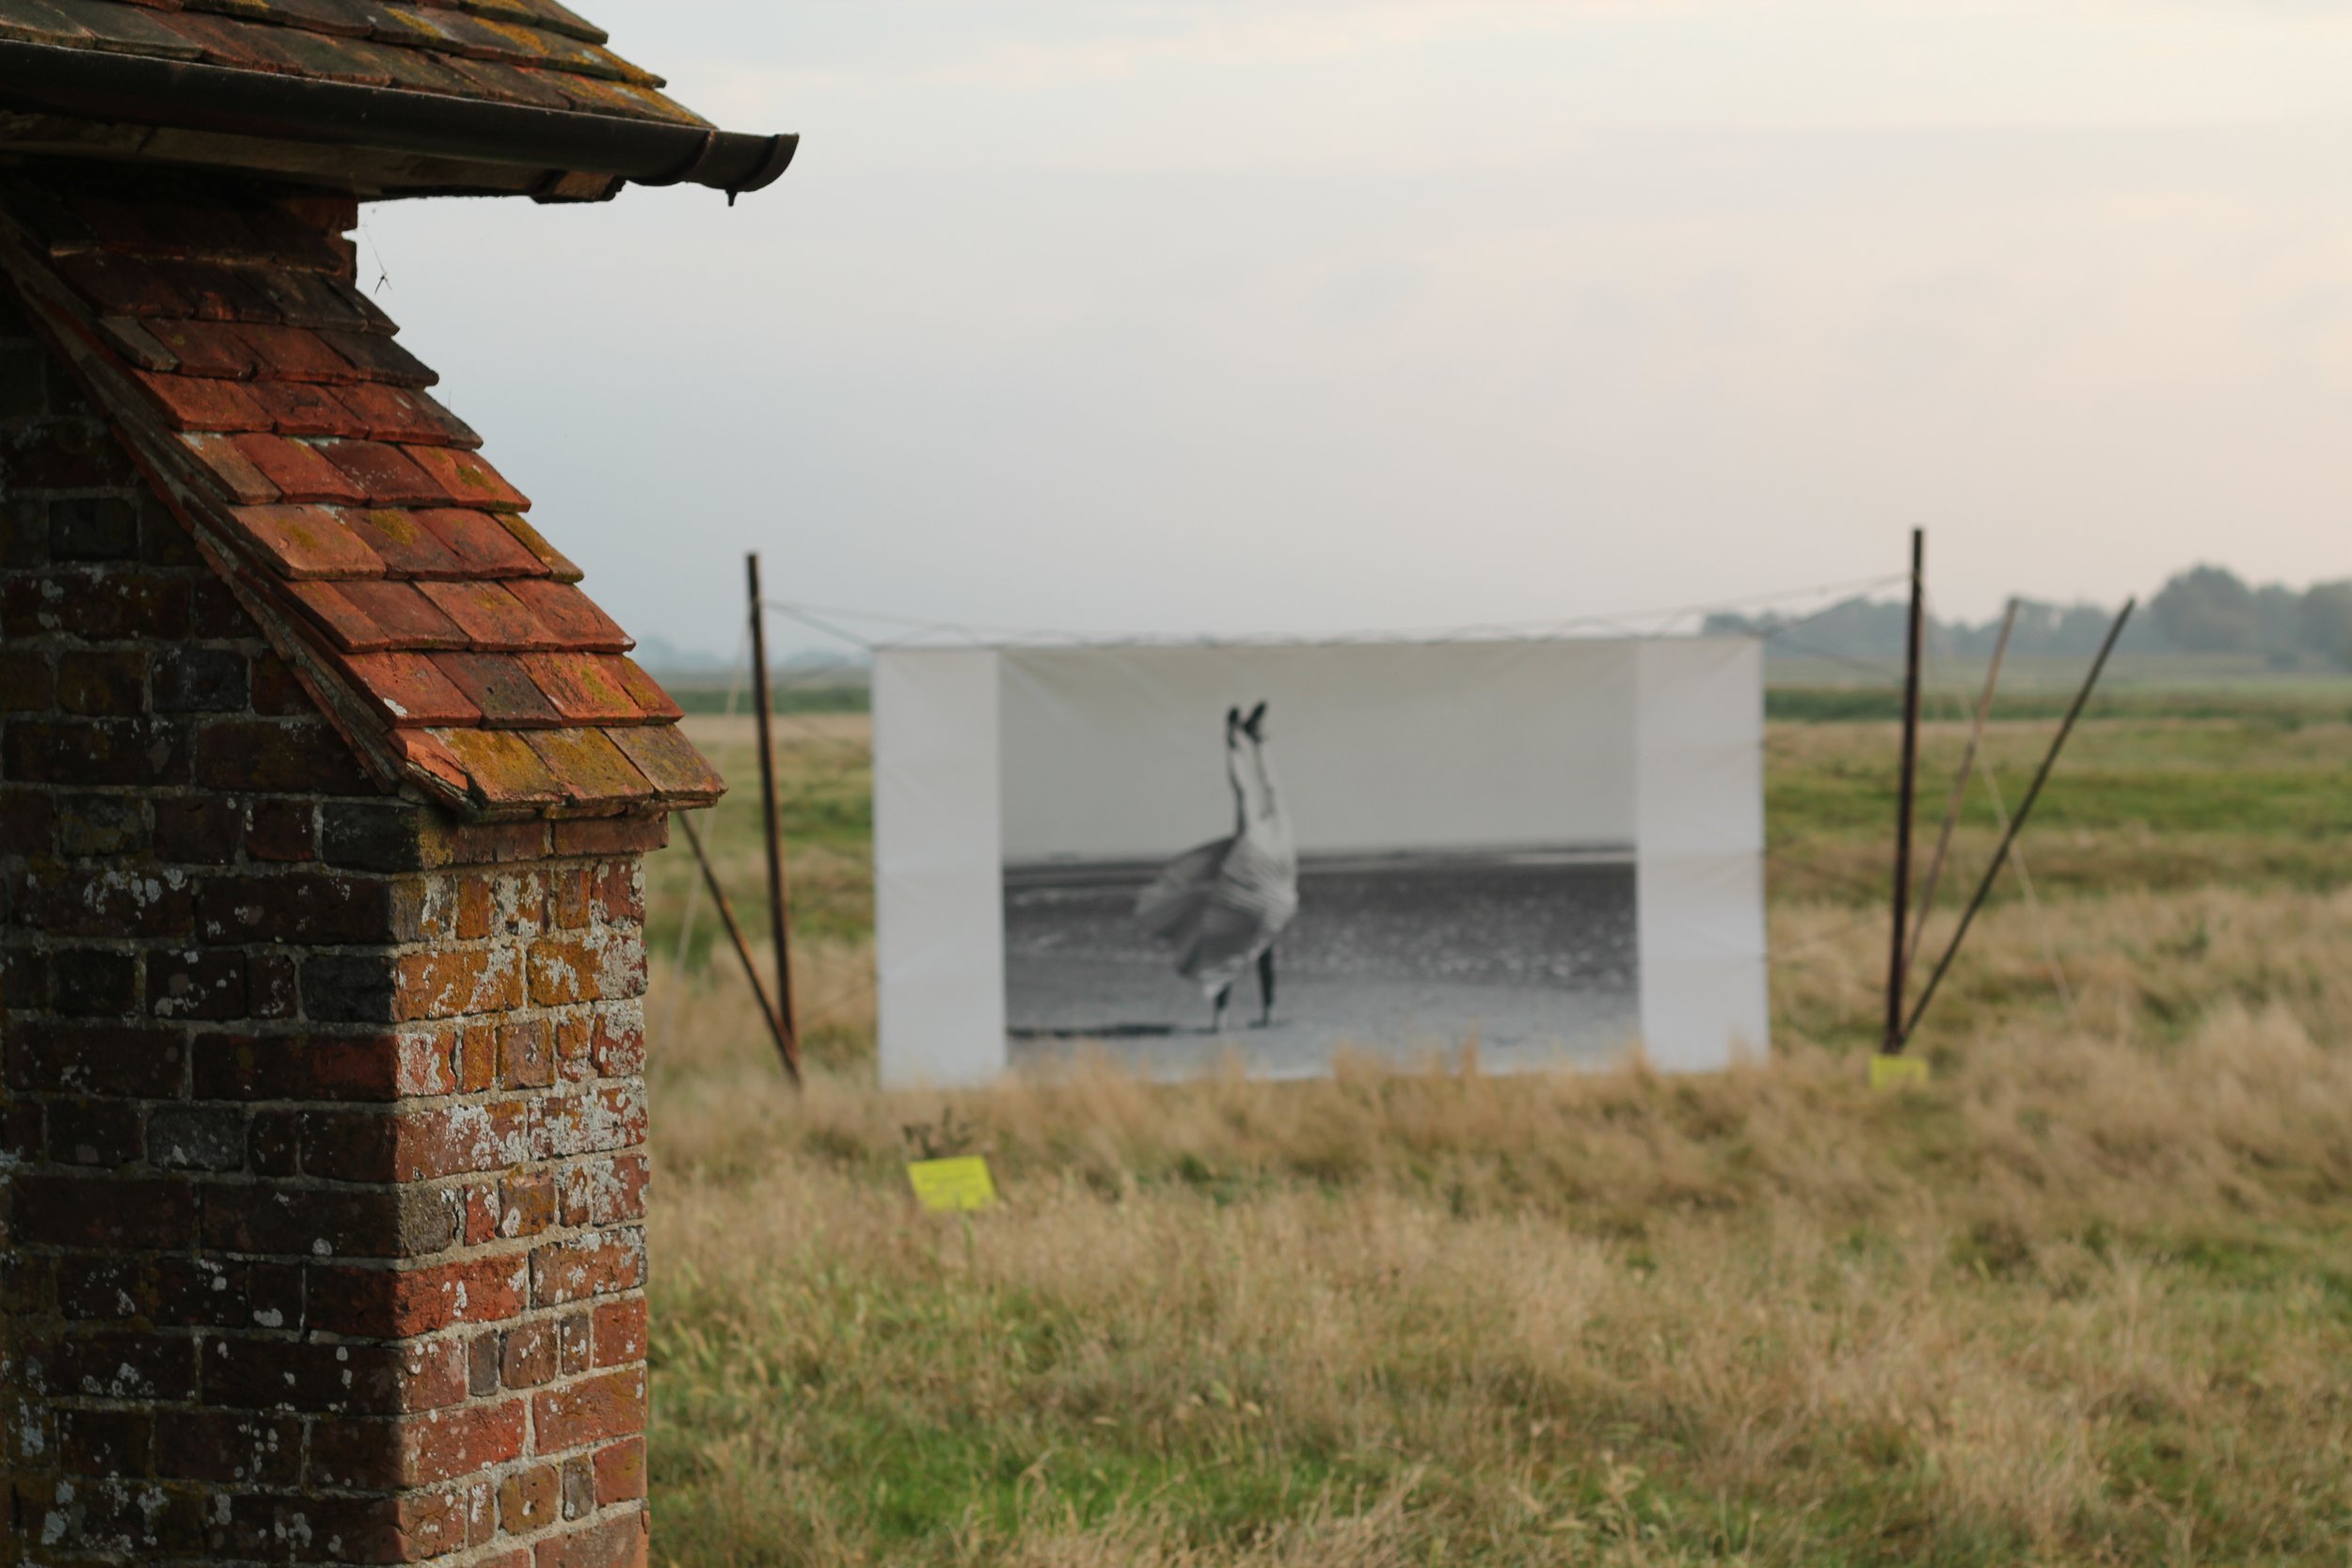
[1238, 316]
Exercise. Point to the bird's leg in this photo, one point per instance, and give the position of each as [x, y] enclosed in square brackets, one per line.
[1216, 1024]
[1265, 987]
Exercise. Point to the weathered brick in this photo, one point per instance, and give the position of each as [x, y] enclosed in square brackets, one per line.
[525, 1204]
[575, 1344]
[620, 894]
[88, 982]
[594, 1121]
[279, 756]
[419, 1145]
[611, 835]
[579, 1486]
[584, 1267]
[101, 825]
[350, 989]
[593, 1410]
[317, 909]
[619, 1329]
[114, 900]
[620, 1472]
[528, 1355]
[211, 1292]
[277, 692]
[416, 1450]
[364, 1068]
[103, 529]
[283, 831]
[98, 1132]
[104, 1212]
[275, 1147]
[113, 605]
[195, 1138]
[482, 1213]
[114, 1365]
[482, 1365]
[201, 680]
[372, 835]
[602, 1191]
[103, 1442]
[290, 1374]
[141, 1061]
[402, 1303]
[575, 1034]
[230, 1446]
[196, 984]
[306, 1222]
[27, 821]
[526, 1054]
[532, 1499]
[447, 842]
[617, 1543]
[27, 681]
[569, 890]
[103, 684]
[104, 1286]
[200, 830]
[118, 751]
[456, 982]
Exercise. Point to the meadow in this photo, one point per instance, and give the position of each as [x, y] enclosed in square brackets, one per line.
[2085, 1298]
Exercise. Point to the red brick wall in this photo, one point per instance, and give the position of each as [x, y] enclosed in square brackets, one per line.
[320, 1114]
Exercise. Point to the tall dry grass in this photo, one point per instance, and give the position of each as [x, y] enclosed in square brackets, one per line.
[2086, 1299]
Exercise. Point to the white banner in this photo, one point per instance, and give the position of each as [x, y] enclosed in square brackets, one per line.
[1544, 851]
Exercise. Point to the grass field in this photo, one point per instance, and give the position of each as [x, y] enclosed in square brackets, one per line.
[2086, 1299]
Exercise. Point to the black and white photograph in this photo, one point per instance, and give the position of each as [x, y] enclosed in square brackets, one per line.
[1281, 855]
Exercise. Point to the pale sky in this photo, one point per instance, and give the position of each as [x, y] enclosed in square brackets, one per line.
[1299, 316]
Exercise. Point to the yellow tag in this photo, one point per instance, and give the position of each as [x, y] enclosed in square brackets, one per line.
[1892, 1073]
[948, 1184]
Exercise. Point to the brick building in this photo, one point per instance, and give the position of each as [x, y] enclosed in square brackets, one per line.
[323, 792]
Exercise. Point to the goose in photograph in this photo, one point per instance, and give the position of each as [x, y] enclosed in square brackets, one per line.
[1220, 907]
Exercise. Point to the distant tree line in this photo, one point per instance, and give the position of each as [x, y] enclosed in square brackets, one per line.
[2205, 610]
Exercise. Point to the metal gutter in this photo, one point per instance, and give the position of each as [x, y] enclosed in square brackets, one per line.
[142, 89]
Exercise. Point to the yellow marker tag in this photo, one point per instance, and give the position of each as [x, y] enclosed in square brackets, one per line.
[1892, 1073]
[952, 1184]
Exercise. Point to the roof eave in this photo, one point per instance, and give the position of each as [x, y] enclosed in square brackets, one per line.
[138, 90]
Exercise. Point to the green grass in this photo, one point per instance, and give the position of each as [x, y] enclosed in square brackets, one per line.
[2086, 1300]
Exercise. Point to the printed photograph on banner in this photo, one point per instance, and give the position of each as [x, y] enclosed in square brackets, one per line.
[1285, 853]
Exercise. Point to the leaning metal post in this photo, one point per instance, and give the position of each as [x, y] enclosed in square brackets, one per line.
[779, 917]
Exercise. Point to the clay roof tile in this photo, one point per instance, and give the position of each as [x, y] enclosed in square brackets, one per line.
[408, 547]
[572, 615]
[308, 542]
[490, 616]
[669, 761]
[558, 566]
[596, 775]
[293, 353]
[206, 348]
[583, 688]
[502, 688]
[344, 507]
[467, 477]
[410, 689]
[298, 409]
[503, 772]
[301, 472]
[483, 542]
[194, 403]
